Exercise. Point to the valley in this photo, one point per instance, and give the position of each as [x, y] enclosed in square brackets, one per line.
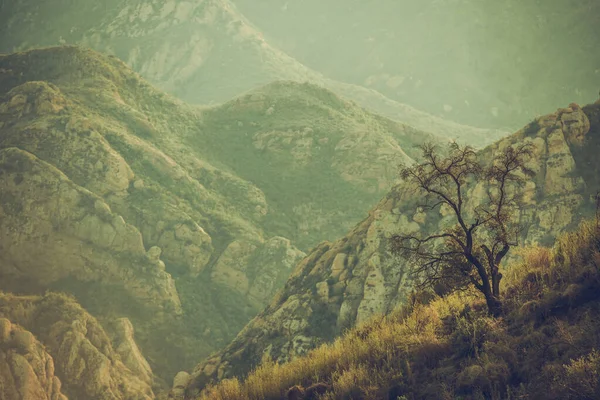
[198, 199]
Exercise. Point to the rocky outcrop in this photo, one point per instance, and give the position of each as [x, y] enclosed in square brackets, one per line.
[45, 216]
[55, 350]
[103, 171]
[126, 347]
[26, 369]
[344, 283]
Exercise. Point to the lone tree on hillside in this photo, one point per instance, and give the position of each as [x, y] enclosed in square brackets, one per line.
[469, 252]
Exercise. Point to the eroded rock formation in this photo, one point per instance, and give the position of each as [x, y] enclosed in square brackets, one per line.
[54, 350]
[26, 369]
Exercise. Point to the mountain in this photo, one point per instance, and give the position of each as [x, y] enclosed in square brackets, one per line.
[482, 63]
[202, 51]
[344, 283]
[182, 219]
[319, 159]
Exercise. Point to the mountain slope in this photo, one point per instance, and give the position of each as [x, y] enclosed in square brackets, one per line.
[356, 277]
[142, 206]
[544, 347]
[203, 51]
[319, 159]
[92, 209]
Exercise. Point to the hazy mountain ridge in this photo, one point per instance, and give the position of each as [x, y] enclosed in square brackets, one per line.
[203, 51]
[484, 63]
[356, 277]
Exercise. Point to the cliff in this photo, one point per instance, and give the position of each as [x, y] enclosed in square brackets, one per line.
[54, 350]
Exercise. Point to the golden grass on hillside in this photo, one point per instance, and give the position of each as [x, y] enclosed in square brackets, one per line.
[544, 347]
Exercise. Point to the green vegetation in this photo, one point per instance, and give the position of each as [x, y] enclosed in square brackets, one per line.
[545, 346]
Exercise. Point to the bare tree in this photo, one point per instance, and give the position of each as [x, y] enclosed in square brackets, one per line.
[468, 253]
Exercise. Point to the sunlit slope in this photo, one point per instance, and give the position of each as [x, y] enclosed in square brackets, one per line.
[545, 346]
[202, 51]
[345, 282]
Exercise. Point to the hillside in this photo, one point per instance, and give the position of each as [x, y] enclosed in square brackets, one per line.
[320, 160]
[202, 51]
[545, 347]
[353, 278]
[184, 220]
[479, 62]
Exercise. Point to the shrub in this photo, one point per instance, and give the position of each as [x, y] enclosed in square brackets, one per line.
[579, 379]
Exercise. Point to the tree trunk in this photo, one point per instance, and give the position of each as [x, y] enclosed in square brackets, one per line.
[494, 305]
[496, 277]
[490, 291]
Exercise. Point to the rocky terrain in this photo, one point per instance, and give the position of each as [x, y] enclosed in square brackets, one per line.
[320, 160]
[202, 51]
[171, 226]
[53, 349]
[345, 282]
[184, 220]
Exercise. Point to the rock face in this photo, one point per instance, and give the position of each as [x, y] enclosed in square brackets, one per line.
[203, 51]
[256, 271]
[34, 233]
[124, 344]
[342, 283]
[55, 350]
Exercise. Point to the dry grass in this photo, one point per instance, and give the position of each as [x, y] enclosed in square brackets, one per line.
[450, 348]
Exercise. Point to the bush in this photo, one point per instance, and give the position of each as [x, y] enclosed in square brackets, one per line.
[579, 379]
